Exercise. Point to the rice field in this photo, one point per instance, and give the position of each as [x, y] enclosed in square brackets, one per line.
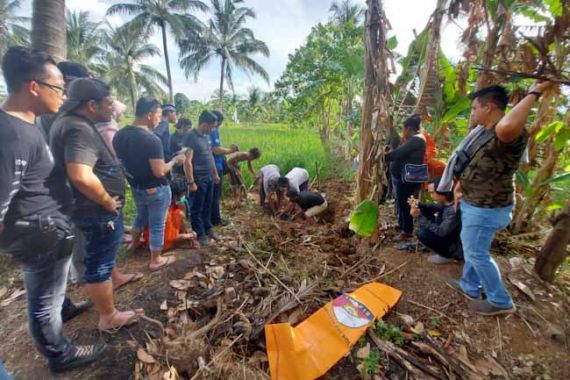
[279, 145]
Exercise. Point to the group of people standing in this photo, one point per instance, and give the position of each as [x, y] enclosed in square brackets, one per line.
[474, 196]
[65, 165]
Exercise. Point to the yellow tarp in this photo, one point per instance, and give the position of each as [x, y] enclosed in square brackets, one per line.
[316, 344]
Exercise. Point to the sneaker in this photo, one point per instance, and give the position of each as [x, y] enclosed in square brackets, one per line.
[455, 285]
[213, 235]
[403, 236]
[483, 307]
[407, 246]
[204, 242]
[73, 310]
[80, 356]
[438, 260]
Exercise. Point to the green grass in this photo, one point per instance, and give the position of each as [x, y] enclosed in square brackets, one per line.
[279, 145]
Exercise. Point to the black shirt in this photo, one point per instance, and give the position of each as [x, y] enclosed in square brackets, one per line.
[202, 159]
[75, 140]
[308, 199]
[411, 152]
[134, 147]
[27, 188]
[176, 140]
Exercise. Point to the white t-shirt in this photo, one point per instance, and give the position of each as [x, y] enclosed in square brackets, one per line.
[297, 176]
[270, 177]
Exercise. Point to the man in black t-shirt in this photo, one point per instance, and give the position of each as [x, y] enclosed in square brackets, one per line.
[98, 182]
[141, 153]
[310, 203]
[202, 175]
[162, 129]
[34, 227]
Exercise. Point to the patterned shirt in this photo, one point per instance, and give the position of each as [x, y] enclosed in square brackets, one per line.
[488, 180]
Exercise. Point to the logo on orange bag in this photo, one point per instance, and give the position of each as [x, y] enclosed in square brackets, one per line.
[351, 313]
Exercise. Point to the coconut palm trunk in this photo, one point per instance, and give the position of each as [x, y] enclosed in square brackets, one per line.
[375, 120]
[222, 73]
[48, 27]
[167, 62]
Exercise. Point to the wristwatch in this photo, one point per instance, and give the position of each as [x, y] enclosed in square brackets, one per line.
[190, 181]
[536, 93]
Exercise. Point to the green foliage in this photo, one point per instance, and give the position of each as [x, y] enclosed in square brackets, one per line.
[13, 29]
[389, 332]
[281, 145]
[364, 219]
[126, 47]
[370, 363]
[323, 77]
[227, 40]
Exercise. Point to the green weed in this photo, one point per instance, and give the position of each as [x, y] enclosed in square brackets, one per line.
[389, 332]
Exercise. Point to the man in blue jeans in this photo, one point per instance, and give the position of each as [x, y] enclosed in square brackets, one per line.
[202, 174]
[82, 157]
[34, 227]
[486, 184]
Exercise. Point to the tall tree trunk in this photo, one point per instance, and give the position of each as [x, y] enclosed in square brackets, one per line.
[375, 119]
[554, 251]
[48, 27]
[430, 84]
[223, 72]
[167, 61]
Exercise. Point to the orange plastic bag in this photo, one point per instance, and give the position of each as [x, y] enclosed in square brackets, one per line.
[316, 344]
[171, 228]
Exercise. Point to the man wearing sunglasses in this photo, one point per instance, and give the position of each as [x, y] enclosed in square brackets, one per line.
[34, 227]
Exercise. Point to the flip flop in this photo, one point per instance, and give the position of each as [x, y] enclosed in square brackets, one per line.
[169, 260]
[131, 321]
[134, 278]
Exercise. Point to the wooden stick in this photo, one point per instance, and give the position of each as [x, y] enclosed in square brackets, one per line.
[522, 75]
[271, 274]
[403, 358]
[432, 309]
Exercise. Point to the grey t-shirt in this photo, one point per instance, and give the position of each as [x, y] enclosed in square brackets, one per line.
[202, 159]
[270, 177]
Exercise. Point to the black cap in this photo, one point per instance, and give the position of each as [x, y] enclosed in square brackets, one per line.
[84, 89]
[72, 70]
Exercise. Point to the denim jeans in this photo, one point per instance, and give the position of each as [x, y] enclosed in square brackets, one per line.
[103, 236]
[151, 211]
[201, 211]
[479, 226]
[403, 190]
[216, 202]
[4, 375]
[44, 270]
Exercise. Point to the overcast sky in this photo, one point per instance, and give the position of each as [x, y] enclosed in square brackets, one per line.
[284, 26]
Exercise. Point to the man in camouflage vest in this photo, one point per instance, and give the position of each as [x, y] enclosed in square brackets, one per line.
[486, 193]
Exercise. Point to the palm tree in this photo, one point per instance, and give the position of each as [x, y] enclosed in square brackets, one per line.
[84, 38]
[12, 32]
[225, 38]
[48, 35]
[126, 47]
[345, 11]
[163, 13]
